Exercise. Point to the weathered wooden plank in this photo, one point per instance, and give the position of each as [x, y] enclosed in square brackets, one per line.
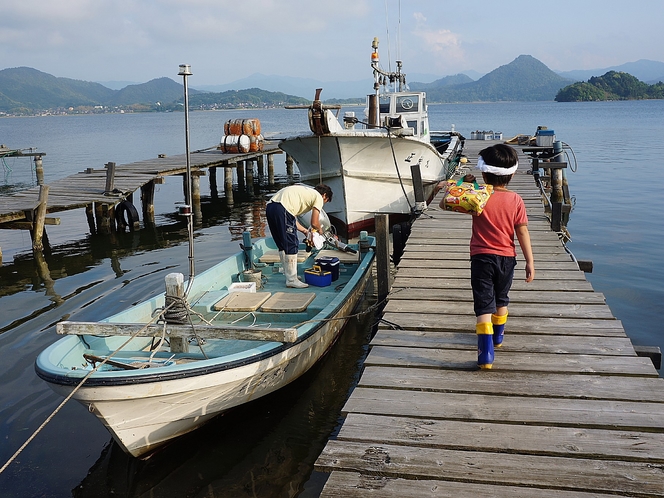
[544, 310]
[524, 439]
[460, 359]
[590, 413]
[359, 485]
[541, 285]
[172, 330]
[573, 474]
[412, 291]
[506, 383]
[464, 255]
[466, 321]
[514, 342]
[540, 266]
[436, 269]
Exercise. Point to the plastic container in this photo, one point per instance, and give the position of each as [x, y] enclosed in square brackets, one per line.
[331, 264]
[316, 276]
[545, 138]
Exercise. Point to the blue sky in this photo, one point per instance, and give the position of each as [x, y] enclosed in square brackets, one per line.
[328, 40]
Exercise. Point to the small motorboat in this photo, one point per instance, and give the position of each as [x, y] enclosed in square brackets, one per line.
[167, 365]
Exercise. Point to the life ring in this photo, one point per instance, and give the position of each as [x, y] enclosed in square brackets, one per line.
[126, 215]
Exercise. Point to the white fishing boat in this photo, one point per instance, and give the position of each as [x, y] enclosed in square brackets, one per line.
[370, 164]
[167, 365]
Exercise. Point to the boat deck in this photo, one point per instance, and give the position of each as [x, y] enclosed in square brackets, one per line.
[568, 409]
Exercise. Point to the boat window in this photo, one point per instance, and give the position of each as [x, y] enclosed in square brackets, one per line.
[409, 103]
[384, 105]
[413, 125]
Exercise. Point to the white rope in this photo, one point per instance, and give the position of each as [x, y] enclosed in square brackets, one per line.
[74, 391]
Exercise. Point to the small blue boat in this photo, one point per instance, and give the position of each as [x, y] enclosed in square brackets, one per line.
[169, 364]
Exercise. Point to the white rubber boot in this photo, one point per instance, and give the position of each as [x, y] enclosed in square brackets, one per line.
[290, 270]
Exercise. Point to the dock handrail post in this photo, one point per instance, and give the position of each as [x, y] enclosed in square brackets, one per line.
[270, 169]
[535, 169]
[289, 165]
[418, 188]
[556, 188]
[39, 170]
[382, 255]
[260, 166]
[110, 176]
[240, 175]
[228, 184]
[38, 223]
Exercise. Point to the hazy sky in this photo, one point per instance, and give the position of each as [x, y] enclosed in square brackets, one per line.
[224, 40]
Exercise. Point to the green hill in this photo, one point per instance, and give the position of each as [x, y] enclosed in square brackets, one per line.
[33, 89]
[614, 85]
[456, 79]
[24, 90]
[524, 79]
[251, 97]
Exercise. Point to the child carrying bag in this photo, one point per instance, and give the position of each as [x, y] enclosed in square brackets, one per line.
[466, 197]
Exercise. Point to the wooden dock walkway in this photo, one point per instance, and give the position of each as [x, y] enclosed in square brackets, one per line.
[88, 187]
[568, 409]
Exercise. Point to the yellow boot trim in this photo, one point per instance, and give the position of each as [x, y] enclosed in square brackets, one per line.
[484, 328]
[499, 319]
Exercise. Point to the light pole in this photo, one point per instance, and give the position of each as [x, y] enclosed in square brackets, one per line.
[185, 70]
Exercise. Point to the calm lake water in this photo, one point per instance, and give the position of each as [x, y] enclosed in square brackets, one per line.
[267, 448]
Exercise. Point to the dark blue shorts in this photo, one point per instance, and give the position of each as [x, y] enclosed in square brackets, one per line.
[283, 227]
[491, 279]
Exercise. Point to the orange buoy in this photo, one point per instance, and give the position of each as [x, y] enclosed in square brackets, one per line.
[251, 127]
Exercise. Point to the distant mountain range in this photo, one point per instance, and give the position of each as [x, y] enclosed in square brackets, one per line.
[25, 90]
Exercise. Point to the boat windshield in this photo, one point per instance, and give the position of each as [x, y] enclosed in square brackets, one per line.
[407, 103]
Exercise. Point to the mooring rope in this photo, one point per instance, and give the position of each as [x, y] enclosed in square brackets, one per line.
[75, 390]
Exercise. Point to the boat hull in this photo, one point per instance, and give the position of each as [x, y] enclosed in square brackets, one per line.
[143, 417]
[369, 173]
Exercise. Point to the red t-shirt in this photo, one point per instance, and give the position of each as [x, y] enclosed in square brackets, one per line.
[493, 230]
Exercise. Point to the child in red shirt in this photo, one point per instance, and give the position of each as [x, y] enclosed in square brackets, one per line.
[492, 249]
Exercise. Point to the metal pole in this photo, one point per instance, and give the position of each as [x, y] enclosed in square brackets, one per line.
[185, 70]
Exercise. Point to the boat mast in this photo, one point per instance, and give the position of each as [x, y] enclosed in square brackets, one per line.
[185, 70]
[383, 78]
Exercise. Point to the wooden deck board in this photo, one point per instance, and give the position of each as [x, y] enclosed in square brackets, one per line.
[568, 410]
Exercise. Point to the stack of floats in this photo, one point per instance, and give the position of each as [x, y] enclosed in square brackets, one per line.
[242, 135]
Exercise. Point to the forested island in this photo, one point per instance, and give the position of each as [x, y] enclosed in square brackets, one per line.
[613, 85]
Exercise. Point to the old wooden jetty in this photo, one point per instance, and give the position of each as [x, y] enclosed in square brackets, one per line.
[569, 409]
[100, 190]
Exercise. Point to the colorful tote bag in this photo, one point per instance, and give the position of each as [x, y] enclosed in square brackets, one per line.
[466, 197]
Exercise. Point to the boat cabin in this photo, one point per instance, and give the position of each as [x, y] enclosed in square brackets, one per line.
[405, 110]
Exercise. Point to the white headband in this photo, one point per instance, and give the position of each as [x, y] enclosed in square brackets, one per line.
[487, 168]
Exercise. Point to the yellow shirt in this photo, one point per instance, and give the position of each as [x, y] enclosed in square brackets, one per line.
[299, 199]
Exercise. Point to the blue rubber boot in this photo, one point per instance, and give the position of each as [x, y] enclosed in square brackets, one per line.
[498, 322]
[484, 345]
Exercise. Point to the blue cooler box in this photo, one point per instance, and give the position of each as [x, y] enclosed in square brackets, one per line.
[317, 276]
[331, 264]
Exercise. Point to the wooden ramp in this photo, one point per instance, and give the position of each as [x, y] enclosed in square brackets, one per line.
[568, 409]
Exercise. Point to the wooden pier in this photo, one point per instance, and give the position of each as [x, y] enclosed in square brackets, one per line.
[569, 409]
[100, 190]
